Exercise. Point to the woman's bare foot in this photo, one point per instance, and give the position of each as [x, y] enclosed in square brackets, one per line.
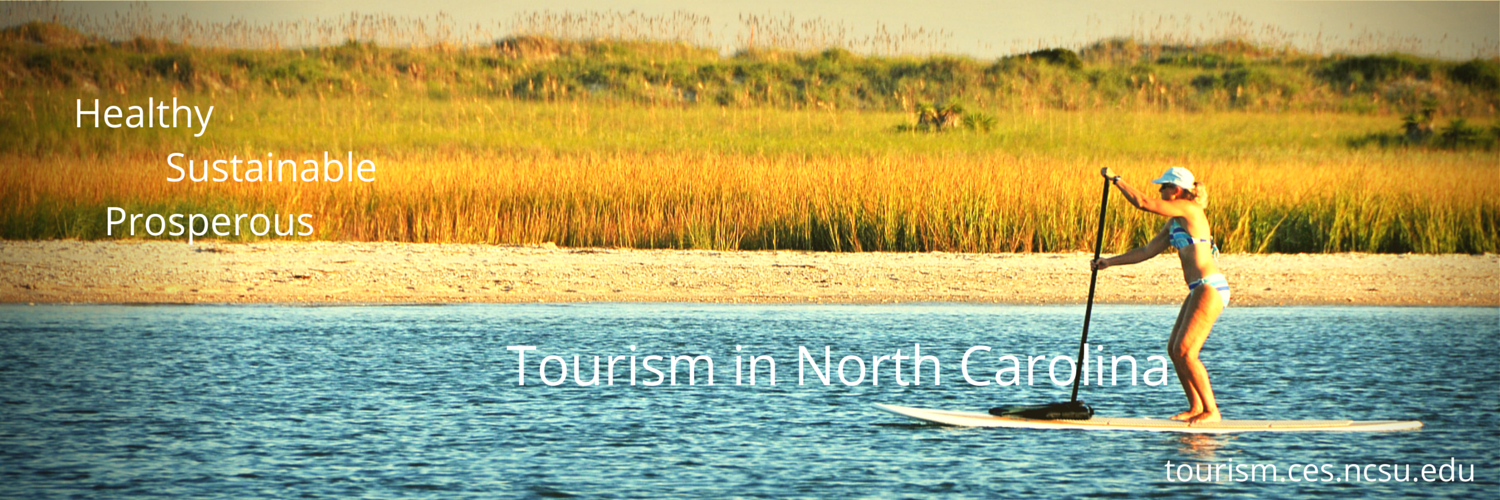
[1207, 417]
[1186, 415]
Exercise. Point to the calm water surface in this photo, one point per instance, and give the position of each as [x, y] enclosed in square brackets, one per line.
[377, 402]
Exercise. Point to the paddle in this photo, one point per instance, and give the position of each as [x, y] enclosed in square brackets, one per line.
[1073, 409]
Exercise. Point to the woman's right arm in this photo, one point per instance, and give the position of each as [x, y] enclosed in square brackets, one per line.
[1137, 199]
[1158, 244]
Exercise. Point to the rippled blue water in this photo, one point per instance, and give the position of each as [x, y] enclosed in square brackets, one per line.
[377, 402]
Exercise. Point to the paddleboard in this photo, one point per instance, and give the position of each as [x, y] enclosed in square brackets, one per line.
[978, 419]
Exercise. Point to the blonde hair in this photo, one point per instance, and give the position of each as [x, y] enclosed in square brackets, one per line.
[1200, 194]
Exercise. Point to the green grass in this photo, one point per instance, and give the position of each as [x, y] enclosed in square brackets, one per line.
[258, 124]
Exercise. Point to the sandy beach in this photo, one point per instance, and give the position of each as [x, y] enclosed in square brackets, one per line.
[329, 272]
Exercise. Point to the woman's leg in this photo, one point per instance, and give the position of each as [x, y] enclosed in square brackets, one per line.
[1195, 404]
[1205, 306]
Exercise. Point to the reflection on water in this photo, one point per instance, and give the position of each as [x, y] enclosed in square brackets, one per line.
[1201, 446]
[275, 402]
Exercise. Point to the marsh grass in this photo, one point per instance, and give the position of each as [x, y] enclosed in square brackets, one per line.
[647, 177]
[404, 125]
[838, 203]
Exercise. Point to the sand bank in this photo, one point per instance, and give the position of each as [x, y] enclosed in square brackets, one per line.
[325, 272]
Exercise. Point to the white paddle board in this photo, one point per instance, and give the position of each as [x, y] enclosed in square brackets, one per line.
[977, 419]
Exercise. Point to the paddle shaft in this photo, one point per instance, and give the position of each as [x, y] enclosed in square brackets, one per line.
[1088, 310]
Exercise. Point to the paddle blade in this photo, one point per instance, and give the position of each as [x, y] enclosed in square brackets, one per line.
[1073, 410]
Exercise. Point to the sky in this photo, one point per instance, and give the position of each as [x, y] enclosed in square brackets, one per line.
[984, 29]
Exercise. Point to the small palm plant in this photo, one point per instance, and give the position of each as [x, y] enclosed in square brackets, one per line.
[1459, 134]
[1417, 127]
[953, 116]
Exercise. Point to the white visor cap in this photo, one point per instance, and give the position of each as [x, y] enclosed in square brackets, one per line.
[1177, 176]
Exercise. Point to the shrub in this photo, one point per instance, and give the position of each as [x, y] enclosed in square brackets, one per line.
[935, 118]
[1416, 127]
[940, 118]
[175, 66]
[980, 122]
[1409, 92]
[299, 70]
[1416, 131]
[1459, 134]
[1246, 77]
[1059, 57]
[1243, 80]
[1364, 71]
[1195, 60]
[1207, 81]
[1480, 74]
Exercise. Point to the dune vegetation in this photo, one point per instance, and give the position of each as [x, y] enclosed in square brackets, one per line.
[658, 144]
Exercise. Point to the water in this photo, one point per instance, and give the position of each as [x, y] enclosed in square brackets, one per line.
[278, 402]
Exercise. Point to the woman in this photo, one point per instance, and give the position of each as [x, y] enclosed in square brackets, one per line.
[1182, 200]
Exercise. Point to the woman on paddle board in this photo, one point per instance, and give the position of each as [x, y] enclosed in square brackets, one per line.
[1182, 201]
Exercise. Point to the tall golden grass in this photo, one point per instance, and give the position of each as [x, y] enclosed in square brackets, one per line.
[890, 202]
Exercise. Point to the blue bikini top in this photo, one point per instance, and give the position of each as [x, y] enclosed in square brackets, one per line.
[1181, 239]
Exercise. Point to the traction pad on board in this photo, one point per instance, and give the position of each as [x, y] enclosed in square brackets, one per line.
[1073, 410]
